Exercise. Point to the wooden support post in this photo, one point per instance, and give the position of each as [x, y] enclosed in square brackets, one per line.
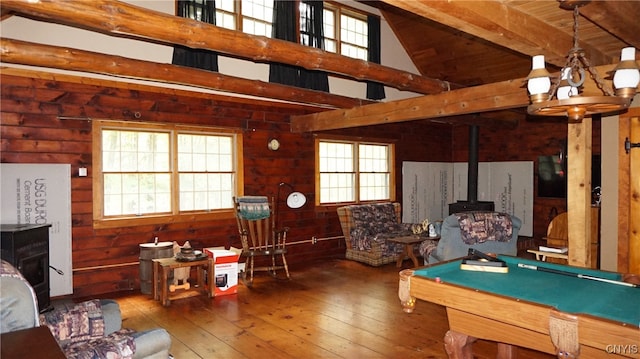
[579, 192]
[634, 198]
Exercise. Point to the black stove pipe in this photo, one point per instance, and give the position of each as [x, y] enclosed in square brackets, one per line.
[472, 175]
[472, 203]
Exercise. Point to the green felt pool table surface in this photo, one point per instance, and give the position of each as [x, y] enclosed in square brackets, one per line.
[565, 293]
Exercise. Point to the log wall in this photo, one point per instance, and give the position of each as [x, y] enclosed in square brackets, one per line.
[44, 120]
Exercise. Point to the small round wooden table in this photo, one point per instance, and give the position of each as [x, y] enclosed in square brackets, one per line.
[409, 242]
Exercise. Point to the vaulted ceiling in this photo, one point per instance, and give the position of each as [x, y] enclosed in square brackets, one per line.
[472, 55]
[480, 45]
[479, 42]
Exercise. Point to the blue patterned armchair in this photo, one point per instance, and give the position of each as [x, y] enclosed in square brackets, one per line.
[488, 232]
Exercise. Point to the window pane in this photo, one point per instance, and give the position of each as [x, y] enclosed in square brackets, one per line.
[136, 194]
[202, 191]
[329, 24]
[228, 21]
[336, 188]
[337, 176]
[257, 17]
[354, 34]
[209, 158]
[336, 157]
[226, 5]
[339, 163]
[373, 158]
[374, 186]
[135, 151]
[139, 168]
[330, 45]
[205, 153]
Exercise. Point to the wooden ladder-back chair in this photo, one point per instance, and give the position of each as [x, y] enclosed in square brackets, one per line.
[259, 237]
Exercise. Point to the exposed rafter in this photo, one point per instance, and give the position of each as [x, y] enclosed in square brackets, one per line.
[477, 99]
[122, 19]
[492, 97]
[619, 18]
[26, 53]
[498, 23]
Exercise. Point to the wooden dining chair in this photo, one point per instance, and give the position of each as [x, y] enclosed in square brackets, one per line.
[259, 237]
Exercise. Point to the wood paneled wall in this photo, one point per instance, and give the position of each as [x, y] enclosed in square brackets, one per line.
[44, 120]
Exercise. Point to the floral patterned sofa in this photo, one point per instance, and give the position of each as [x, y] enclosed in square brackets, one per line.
[366, 227]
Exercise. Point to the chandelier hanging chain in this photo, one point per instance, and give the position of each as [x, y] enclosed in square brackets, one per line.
[577, 61]
[563, 96]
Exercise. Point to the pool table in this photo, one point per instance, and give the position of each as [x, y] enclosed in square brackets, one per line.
[558, 314]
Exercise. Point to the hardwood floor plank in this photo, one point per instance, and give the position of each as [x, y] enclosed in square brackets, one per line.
[329, 309]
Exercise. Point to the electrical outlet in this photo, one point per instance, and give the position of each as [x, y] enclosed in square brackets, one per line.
[314, 240]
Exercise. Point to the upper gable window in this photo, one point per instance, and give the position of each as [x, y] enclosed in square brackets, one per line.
[257, 17]
[226, 14]
[345, 30]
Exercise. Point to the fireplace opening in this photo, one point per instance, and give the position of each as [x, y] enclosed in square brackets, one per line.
[26, 247]
[34, 269]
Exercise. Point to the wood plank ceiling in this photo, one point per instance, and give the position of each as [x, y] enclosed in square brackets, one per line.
[482, 46]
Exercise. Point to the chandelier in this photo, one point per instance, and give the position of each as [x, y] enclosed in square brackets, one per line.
[564, 97]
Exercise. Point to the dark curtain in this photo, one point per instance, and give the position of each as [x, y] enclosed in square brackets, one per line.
[315, 80]
[284, 28]
[375, 90]
[201, 10]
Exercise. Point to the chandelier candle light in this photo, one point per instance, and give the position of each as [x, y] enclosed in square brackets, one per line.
[564, 97]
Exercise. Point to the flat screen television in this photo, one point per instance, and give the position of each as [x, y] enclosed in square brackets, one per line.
[552, 175]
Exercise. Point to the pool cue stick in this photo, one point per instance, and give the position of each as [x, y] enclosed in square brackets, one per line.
[577, 275]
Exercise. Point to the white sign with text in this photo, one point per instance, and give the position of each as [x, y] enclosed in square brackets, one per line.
[41, 194]
[429, 187]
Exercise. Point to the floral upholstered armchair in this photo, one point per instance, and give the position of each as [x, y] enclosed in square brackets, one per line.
[87, 330]
[366, 228]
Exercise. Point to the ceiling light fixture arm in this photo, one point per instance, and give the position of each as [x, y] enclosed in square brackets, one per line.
[564, 98]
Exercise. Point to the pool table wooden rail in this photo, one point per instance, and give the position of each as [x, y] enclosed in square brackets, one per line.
[517, 322]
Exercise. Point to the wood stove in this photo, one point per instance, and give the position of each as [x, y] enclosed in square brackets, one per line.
[26, 247]
[472, 203]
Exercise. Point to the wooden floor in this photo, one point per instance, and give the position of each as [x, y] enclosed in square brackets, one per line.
[332, 309]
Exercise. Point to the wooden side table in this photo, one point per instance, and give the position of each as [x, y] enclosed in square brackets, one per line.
[163, 266]
[409, 242]
[35, 342]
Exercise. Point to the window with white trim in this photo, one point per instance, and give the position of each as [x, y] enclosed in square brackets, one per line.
[354, 171]
[147, 171]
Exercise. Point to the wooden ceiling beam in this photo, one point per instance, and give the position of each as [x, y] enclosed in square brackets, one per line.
[498, 23]
[478, 99]
[121, 19]
[63, 58]
[484, 98]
